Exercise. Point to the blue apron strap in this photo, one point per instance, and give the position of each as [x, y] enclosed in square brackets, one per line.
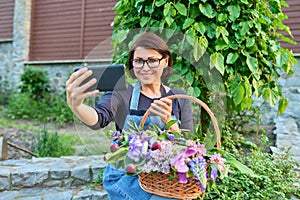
[135, 97]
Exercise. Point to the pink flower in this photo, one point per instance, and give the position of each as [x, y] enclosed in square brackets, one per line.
[179, 162]
[217, 159]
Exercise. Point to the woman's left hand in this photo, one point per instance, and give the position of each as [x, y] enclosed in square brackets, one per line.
[162, 108]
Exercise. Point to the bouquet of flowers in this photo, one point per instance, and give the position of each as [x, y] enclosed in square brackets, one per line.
[181, 161]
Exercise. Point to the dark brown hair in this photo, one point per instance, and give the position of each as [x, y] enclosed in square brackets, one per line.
[151, 41]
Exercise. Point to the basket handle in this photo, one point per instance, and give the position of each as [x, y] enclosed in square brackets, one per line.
[201, 103]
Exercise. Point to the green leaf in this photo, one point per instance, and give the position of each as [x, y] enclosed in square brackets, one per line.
[252, 63]
[245, 2]
[207, 10]
[189, 78]
[169, 20]
[160, 3]
[238, 94]
[197, 92]
[256, 87]
[250, 42]
[181, 8]
[234, 12]
[217, 60]
[281, 58]
[282, 104]
[231, 58]
[222, 17]
[274, 6]
[238, 165]
[245, 27]
[171, 122]
[167, 8]
[200, 27]
[190, 36]
[120, 154]
[143, 21]
[187, 23]
[174, 78]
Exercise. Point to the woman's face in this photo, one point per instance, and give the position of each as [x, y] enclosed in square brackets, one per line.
[147, 75]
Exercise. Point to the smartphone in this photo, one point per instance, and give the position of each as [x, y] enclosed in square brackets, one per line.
[109, 77]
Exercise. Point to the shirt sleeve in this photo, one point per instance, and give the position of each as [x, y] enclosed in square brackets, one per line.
[113, 106]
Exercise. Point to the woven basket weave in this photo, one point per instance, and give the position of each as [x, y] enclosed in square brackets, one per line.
[161, 184]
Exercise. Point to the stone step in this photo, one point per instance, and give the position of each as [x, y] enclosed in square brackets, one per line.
[54, 193]
[65, 172]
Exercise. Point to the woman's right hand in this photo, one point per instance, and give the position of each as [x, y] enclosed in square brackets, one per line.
[75, 92]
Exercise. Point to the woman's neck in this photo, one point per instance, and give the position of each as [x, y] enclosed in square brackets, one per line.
[151, 90]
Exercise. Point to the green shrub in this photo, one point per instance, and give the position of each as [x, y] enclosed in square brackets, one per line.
[36, 102]
[51, 144]
[277, 179]
[35, 81]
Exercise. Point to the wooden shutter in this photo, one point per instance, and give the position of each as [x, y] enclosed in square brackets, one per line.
[6, 19]
[293, 13]
[68, 29]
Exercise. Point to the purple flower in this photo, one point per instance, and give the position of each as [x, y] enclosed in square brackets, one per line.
[182, 177]
[198, 168]
[171, 137]
[179, 162]
[214, 174]
[135, 148]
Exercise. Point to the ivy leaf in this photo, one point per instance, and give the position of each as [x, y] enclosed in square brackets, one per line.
[274, 6]
[181, 8]
[256, 87]
[197, 92]
[222, 17]
[160, 3]
[245, 27]
[187, 23]
[282, 104]
[234, 12]
[167, 8]
[200, 27]
[231, 58]
[190, 36]
[281, 58]
[189, 78]
[250, 42]
[169, 20]
[174, 78]
[143, 21]
[238, 94]
[252, 63]
[207, 10]
[217, 60]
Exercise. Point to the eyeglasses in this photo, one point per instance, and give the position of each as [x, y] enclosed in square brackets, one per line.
[139, 63]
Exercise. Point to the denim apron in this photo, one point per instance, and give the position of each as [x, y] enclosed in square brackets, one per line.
[118, 185]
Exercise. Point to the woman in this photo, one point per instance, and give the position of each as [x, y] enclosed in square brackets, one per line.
[149, 62]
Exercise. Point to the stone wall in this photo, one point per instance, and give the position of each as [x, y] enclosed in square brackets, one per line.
[14, 57]
[288, 124]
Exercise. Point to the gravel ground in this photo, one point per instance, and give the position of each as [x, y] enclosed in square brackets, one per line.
[22, 138]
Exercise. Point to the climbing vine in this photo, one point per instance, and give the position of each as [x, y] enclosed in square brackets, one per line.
[240, 37]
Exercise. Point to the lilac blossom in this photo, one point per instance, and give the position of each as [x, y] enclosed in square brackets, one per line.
[136, 148]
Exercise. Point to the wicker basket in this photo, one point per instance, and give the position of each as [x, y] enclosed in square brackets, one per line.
[161, 184]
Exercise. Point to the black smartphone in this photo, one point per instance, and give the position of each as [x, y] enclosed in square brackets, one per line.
[109, 77]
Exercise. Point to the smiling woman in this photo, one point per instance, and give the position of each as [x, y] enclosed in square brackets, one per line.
[149, 62]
